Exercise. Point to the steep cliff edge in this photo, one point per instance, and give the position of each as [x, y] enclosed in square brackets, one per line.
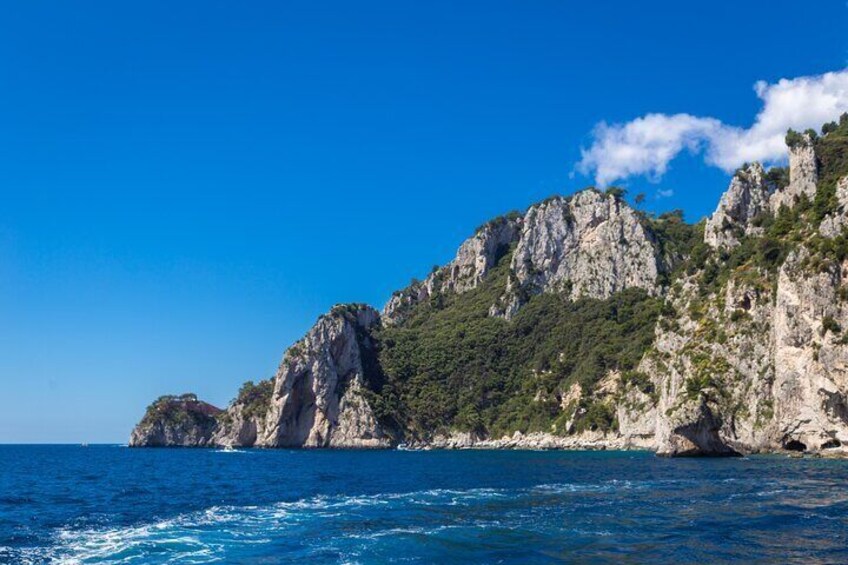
[318, 398]
[245, 419]
[474, 259]
[749, 354]
[740, 206]
[589, 245]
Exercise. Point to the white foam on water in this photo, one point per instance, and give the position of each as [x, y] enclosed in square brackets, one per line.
[210, 535]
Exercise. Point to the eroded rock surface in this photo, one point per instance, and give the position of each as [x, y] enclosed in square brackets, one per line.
[317, 399]
[589, 245]
[803, 174]
[745, 200]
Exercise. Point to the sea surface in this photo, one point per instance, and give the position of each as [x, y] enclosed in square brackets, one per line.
[112, 504]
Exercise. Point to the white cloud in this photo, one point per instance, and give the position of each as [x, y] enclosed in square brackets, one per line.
[646, 145]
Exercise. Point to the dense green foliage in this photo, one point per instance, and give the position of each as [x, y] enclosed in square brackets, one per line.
[496, 222]
[452, 366]
[255, 398]
[179, 410]
[832, 154]
[676, 239]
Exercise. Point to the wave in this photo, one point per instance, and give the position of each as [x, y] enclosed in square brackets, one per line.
[305, 528]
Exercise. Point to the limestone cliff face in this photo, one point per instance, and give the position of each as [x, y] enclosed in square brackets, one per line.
[833, 224]
[245, 419]
[803, 174]
[318, 396]
[760, 368]
[474, 258]
[589, 245]
[756, 362]
[750, 354]
[176, 421]
[745, 200]
[712, 372]
[810, 357]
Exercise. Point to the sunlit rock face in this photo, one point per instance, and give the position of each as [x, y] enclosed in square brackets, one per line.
[745, 200]
[589, 245]
[317, 399]
[803, 174]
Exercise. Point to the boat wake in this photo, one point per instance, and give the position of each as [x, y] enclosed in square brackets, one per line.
[319, 528]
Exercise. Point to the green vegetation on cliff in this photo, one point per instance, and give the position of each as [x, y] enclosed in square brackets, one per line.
[255, 398]
[453, 366]
[179, 410]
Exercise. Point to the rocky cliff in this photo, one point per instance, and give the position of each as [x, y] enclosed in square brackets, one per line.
[316, 399]
[587, 323]
[742, 204]
[749, 354]
[590, 245]
[181, 421]
[474, 259]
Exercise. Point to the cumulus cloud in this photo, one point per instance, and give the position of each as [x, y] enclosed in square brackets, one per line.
[646, 145]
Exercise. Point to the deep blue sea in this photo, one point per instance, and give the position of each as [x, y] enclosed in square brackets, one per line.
[111, 504]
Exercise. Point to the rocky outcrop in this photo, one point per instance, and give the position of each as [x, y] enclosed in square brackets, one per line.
[589, 245]
[176, 421]
[403, 301]
[833, 224]
[810, 357]
[746, 198]
[759, 363]
[474, 259]
[712, 367]
[753, 359]
[245, 418]
[318, 398]
[803, 173]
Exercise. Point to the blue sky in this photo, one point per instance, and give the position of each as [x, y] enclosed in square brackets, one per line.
[187, 186]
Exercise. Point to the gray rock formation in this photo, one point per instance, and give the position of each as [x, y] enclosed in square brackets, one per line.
[318, 396]
[810, 358]
[759, 363]
[588, 245]
[474, 259]
[176, 421]
[746, 198]
[803, 174]
[244, 420]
